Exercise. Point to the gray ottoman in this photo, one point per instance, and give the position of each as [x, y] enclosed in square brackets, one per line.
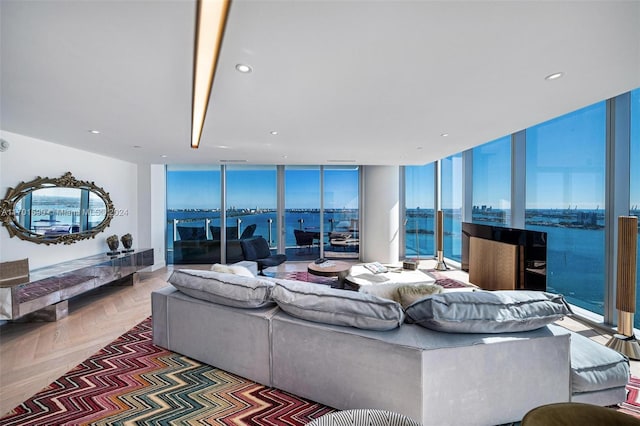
[598, 374]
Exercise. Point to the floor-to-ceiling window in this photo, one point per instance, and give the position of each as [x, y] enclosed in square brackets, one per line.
[492, 183]
[565, 182]
[302, 212]
[451, 201]
[341, 211]
[419, 189]
[635, 175]
[251, 204]
[193, 211]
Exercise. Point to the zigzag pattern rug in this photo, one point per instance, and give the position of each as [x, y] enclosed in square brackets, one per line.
[132, 381]
[632, 404]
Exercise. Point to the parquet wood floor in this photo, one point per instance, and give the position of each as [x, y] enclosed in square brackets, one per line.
[32, 355]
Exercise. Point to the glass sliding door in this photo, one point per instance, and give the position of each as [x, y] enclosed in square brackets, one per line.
[492, 183]
[451, 199]
[419, 195]
[193, 212]
[251, 203]
[341, 212]
[565, 181]
[302, 212]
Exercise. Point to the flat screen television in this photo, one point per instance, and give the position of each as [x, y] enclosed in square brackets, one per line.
[532, 249]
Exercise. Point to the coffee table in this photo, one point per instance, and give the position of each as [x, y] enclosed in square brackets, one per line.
[330, 268]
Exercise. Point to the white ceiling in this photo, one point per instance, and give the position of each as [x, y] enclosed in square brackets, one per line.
[373, 82]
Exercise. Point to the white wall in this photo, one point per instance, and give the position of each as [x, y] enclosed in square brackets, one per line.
[381, 214]
[28, 158]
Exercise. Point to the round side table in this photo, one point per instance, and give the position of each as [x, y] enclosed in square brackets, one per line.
[330, 268]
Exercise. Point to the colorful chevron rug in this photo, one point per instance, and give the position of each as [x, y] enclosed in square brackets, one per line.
[132, 381]
[632, 404]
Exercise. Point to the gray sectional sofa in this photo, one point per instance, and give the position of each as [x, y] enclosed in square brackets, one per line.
[432, 376]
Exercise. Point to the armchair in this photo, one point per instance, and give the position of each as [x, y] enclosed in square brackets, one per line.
[305, 238]
[248, 231]
[257, 250]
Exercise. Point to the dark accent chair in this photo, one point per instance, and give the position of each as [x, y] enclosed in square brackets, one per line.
[248, 231]
[257, 250]
[231, 232]
[305, 238]
[192, 233]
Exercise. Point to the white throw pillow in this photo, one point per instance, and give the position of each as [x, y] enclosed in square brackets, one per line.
[232, 269]
[241, 270]
[219, 267]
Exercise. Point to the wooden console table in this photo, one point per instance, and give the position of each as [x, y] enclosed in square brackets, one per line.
[48, 289]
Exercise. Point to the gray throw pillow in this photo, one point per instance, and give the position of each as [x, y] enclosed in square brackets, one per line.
[411, 293]
[320, 303]
[222, 288]
[487, 311]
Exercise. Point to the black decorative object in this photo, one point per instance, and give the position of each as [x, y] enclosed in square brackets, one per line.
[127, 243]
[113, 243]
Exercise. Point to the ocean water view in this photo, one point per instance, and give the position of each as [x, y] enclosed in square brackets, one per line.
[344, 220]
[46, 212]
[575, 240]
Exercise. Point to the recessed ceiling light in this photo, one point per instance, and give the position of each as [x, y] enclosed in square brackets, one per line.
[285, 156]
[163, 156]
[137, 146]
[223, 146]
[554, 76]
[444, 135]
[94, 132]
[418, 147]
[274, 132]
[243, 68]
[233, 161]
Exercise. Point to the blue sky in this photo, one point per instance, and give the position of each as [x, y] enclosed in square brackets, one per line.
[255, 187]
[565, 167]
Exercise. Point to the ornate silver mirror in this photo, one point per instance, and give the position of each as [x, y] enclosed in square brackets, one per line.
[54, 211]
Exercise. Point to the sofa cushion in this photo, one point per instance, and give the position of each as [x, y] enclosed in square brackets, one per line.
[224, 289]
[487, 311]
[320, 303]
[595, 367]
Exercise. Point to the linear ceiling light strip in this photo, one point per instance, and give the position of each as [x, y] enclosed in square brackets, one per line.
[211, 19]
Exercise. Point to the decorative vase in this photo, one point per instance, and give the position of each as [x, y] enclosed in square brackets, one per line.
[127, 243]
[113, 243]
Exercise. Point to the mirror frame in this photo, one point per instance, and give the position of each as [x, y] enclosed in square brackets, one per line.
[8, 214]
